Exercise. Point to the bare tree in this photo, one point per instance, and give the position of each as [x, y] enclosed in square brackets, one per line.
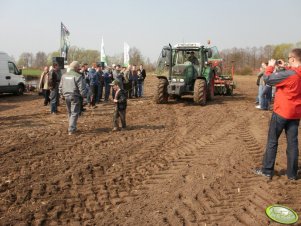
[254, 57]
[116, 59]
[281, 51]
[25, 60]
[51, 55]
[136, 56]
[268, 50]
[40, 60]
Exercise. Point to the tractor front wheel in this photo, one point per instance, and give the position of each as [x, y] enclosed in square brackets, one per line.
[161, 95]
[211, 90]
[200, 91]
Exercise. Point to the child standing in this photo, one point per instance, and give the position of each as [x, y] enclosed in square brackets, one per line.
[120, 106]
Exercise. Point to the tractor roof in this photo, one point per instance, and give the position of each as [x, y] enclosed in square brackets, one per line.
[188, 46]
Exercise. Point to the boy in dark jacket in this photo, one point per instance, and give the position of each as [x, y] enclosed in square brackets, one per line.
[120, 106]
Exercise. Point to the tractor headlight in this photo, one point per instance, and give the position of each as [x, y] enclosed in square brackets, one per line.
[181, 80]
[174, 80]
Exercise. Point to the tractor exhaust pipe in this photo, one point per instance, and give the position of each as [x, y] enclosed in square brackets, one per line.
[170, 62]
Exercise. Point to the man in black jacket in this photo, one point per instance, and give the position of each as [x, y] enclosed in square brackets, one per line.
[143, 73]
[120, 106]
[53, 86]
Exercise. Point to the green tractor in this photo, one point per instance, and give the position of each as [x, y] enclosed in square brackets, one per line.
[185, 70]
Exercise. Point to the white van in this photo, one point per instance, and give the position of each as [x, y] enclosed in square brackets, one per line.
[11, 79]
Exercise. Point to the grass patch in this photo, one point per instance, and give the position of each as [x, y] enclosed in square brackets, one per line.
[31, 72]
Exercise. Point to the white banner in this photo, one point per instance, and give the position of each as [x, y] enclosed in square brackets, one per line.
[65, 43]
[126, 55]
[103, 57]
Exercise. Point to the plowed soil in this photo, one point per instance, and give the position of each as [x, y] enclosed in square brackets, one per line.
[176, 164]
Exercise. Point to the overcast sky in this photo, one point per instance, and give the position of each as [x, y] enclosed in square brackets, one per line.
[34, 25]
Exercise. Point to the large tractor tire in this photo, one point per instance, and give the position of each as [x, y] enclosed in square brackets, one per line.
[200, 92]
[210, 93]
[161, 95]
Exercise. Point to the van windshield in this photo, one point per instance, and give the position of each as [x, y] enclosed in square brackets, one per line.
[12, 68]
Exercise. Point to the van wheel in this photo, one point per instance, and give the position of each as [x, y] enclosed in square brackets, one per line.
[20, 90]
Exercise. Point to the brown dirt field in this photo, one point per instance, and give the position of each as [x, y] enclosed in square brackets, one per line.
[176, 164]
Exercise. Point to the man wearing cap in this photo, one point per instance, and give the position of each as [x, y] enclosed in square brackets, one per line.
[72, 88]
[120, 106]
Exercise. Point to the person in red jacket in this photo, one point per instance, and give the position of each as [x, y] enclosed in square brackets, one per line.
[286, 115]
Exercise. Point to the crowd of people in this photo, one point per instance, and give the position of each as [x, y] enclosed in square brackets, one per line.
[83, 86]
[266, 92]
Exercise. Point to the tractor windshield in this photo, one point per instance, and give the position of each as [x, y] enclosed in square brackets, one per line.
[179, 56]
[186, 56]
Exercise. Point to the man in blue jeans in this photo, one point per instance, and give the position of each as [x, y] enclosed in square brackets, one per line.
[286, 115]
[53, 86]
[72, 88]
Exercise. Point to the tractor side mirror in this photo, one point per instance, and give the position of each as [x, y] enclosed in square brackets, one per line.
[209, 52]
[167, 61]
[164, 54]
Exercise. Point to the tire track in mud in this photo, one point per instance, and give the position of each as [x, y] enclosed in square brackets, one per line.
[200, 152]
[119, 182]
[90, 191]
[210, 206]
[239, 197]
[182, 150]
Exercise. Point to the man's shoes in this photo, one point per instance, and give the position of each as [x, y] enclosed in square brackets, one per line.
[72, 132]
[258, 107]
[115, 129]
[259, 172]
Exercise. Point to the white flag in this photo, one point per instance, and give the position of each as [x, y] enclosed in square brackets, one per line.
[65, 43]
[126, 56]
[103, 57]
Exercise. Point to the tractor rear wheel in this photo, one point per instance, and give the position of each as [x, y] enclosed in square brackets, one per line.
[200, 91]
[161, 95]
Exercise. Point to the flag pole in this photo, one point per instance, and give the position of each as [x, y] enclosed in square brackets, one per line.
[61, 42]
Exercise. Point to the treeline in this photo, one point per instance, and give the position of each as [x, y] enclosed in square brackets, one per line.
[248, 60]
[40, 59]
